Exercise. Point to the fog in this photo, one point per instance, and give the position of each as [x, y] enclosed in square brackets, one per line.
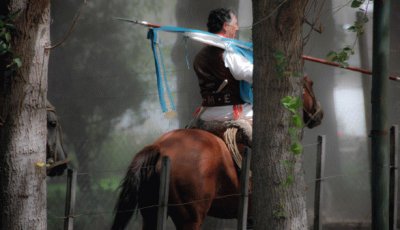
[103, 85]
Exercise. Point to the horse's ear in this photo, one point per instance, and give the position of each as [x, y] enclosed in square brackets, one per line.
[306, 79]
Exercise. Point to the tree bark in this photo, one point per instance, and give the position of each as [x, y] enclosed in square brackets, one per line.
[277, 202]
[23, 119]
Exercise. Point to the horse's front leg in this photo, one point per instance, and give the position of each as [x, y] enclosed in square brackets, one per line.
[190, 226]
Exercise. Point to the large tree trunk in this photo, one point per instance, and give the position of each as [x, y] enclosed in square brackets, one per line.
[278, 203]
[23, 119]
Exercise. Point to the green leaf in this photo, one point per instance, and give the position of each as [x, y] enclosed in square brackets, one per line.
[331, 56]
[4, 46]
[356, 3]
[293, 132]
[279, 57]
[18, 62]
[10, 26]
[8, 37]
[296, 103]
[14, 15]
[297, 121]
[288, 164]
[288, 181]
[281, 63]
[347, 49]
[358, 28]
[342, 56]
[296, 148]
[352, 29]
[286, 100]
[287, 73]
[291, 103]
[297, 74]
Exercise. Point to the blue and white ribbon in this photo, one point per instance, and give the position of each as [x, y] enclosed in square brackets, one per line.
[237, 46]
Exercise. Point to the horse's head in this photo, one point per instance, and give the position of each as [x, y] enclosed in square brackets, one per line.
[56, 157]
[312, 111]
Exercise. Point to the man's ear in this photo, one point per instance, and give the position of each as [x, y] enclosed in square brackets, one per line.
[224, 27]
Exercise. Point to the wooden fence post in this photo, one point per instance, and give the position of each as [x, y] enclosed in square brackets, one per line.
[163, 195]
[320, 168]
[244, 187]
[70, 200]
[393, 186]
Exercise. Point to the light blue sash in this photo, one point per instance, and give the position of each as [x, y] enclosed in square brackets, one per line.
[164, 92]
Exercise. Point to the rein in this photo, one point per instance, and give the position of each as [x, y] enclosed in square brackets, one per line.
[50, 108]
[316, 105]
[57, 162]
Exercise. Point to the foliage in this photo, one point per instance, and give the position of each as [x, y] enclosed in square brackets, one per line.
[55, 201]
[93, 210]
[357, 3]
[342, 56]
[282, 66]
[281, 63]
[279, 212]
[293, 104]
[358, 26]
[7, 31]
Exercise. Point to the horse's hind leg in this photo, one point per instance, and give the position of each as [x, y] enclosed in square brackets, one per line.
[149, 225]
[150, 222]
[189, 217]
[190, 226]
[149, 219]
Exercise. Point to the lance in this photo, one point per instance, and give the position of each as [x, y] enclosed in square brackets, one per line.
[305, 57]
[352, 68]
[143, 23]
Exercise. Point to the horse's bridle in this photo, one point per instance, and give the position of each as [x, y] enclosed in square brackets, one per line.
[316, 107]
[57, 162]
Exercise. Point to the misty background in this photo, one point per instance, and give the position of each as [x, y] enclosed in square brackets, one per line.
[102, 83]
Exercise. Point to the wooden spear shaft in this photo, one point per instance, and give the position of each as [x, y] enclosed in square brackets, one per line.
[322, 61]
[305, 57]
[352, 68]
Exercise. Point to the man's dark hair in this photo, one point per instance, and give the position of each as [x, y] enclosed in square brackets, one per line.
[216, 19]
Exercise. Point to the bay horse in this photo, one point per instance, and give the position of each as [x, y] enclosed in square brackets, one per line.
[203, 177]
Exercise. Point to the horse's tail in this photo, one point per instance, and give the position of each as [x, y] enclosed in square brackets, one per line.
[141, 170]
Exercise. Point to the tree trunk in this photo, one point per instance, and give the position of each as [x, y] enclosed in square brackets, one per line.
[279, 189]
[23, 119]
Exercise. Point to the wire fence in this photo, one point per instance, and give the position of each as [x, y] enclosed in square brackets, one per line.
[101, 187]
[100, 175]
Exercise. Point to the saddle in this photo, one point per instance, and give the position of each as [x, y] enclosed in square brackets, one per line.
[236, 134]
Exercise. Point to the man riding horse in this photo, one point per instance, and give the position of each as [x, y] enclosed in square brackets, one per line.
[203, 176]
[219, 72]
